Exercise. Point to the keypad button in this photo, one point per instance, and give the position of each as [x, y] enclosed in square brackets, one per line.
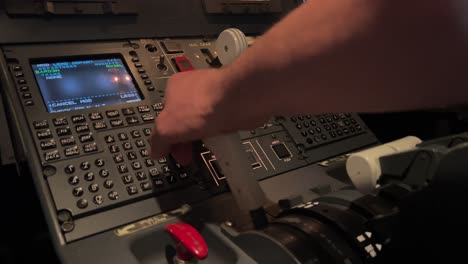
[147, 131]
[310, 141]
[139, 70]
[131, 155]
[342, 116]
[82, 128]
[127, 179]
[24, 88]
[144, 152]
[116, 122]
[153, 172]
[322, 120]
[345, 130]
[171, 179]
[109, 139]
[99, 125]
[69, 169]
[128, 111]
[19, 74]
[313, 123]
[140, 175]
[308, 116]
[300, 117]
[145, 186]
[98, 199]
[147, 117]
[74, 180]
[104, 173]
[122, 168]
[346, 122]
[132, 190]
[113, 195]
[311, 132]
[138, 65]
[99, 162]
[324, 137]
[165, 169]
[334, 126]
[136, 165]
[352, 129]
[340, 123]
[95, 116]
[29, 103]
[358, 128]
[93, 187]
[149, 163]
[132, 120]
[329, 119]
[333, 134]
[44, 134]
[158, 106]
[144, 76]
[335, 117]
[72, 151]
[183, 176]
[90, 147]
[123, 136]
[139, 143]
[78, 119]
[67, 141]
[48, 144]
[52, 155]
[118, 158]
[63, 131]
[17, 68]
[327, 127]
[135, 134]
[89, 176]
[108, 184]
[143, 108]
[112, 113]
[298, 126]
[86, 138]
[162, 160]
[304, 133]
[147, 82]
[159, 183]
[114, 148]
[353, 121]
[305, 124]
[339, 132]
[127, 145]
[41, 124]
[318, 129]
[82, 203]
[60, 121]
[316, 139]
[78, 191]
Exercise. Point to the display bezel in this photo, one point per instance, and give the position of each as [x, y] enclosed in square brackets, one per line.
[73, 58]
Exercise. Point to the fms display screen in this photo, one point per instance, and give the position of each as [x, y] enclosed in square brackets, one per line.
[69, 85]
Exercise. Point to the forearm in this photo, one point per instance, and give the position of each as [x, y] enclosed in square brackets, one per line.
[355, 55]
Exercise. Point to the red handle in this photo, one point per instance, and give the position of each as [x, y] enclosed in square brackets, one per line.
[189, 242]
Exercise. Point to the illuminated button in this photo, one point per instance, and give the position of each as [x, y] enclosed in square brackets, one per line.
[85, 165]
[147, 82]
[99, 162]
[138, 65]
[281, 151]
[143, 108]
[132, 120]
[95, 116]
[86, 138]
[139, 143]
[98, 200]
[158, 183]
[131, 155]
[140, 175]
[127, 146]
[17, 68]
[78, 119]
[116, 122]
[144, 76]
[147, 131]
[144, 152]
[118, 158]
[99, 125]
[44, 134]
[150, 88]
[19, 74]
[128, 111]
[136, 165]
[108, 184]
[153, 172]
[72, 151]
[63, 131]
[112, 113]
[158, 106]
[123, 136]
[104, 173]
[113, 195]
[69, 169]
[114, 148]
[140, 70]
[82, 128]
[122, 168]
[145, 186]
[135, 59]
[21, 81]
[147, 117]
[29, 103]
[183, 64]
[41, 124]
[109, 139]
[24, 88]
[60, 121]
[74, 180]
[77, 192]
[132, 190]
[89, 176]
[93, 187]
[27, 96]
[135, 134]
[82, 203]
[149, 163]
[48, 144]
[90, 147]
[127, 179]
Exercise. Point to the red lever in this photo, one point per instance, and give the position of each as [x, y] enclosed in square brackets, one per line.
[189, 242]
